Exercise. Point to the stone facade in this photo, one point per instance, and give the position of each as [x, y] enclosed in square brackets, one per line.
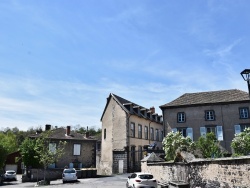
[79, 151]
[225, 106]
[86, 159]
[216, 173]
[123, 135]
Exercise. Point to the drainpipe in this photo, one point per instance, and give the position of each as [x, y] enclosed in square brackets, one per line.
[128, 143]
[149, 131]
[164, 126]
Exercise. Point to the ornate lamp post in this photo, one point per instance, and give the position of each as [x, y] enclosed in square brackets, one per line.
[246, 76]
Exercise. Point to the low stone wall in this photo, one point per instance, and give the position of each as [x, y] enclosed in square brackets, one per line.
[33, 175]
[200, 173]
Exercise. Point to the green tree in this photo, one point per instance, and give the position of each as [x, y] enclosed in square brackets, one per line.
[174, 141]
[29, 154]
[9, 142]
[47, 152]
[3, 154]
[209, 146]
[241, 143]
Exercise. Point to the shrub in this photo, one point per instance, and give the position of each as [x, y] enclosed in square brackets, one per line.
[174, 141]
[209, 146]
[241, 143]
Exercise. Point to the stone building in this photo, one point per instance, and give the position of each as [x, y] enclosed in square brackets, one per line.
[127, 128]
[79, 152]
[224, 112]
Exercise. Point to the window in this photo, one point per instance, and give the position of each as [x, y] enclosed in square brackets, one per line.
[104, 135]
[52, 147]
[140, 153]
[209, 115]
[217, 130]
[240, 128]
[152, 133]
[139, 131]
[146, 132]
[161, 136]
[132, 130]
[133, 156]
[185, 131]
[244, 113]
[77, 149]
[157, 134]
[181, 117]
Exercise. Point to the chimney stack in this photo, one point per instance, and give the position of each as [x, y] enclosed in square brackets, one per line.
[47, 127]
[68, 130]
[87, 132]
[152, 109]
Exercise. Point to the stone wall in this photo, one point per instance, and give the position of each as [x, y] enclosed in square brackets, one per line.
[216, 173]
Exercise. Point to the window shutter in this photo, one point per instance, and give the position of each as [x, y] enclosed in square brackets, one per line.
[190, 133]
[203, 131]
[71, 165]
[174, 130]
[52, 147]
[219, 133]
[237, 129]
[77, 149]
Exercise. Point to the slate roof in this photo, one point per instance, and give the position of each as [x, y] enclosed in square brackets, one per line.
[60, 134]
[123, 102]
[206, 98]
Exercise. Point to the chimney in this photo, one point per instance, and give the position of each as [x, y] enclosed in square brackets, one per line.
[152, 109]
[68, 130]
[47, 127]
[87, 132]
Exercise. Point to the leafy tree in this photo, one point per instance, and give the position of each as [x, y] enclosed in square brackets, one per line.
[28, 152]
[241, 143]
[8, 141]
[92, 131]
[174, 141]
[3, 154]
[209, 146]
[47, 154]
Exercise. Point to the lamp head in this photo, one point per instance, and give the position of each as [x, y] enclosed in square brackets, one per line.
[246, 74]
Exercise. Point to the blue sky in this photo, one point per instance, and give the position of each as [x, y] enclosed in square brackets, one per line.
[60, 59]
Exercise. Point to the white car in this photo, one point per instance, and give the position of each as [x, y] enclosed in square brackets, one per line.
[141, 179]
[69, 175]
[10, 175]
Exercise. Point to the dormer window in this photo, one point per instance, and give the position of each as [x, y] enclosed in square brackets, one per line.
[128, 106]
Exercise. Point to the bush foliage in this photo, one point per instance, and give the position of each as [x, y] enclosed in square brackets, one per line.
[241, 143]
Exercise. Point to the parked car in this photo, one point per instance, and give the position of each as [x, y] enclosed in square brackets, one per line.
[10, 175]
[69, 174]
[141, 179]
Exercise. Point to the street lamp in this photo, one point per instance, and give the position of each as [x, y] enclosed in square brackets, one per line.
[246, 76]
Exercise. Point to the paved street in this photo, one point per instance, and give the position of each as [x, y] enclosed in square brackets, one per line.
[116, 181]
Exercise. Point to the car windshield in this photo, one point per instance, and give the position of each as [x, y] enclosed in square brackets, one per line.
[146, 176]
[69, 171]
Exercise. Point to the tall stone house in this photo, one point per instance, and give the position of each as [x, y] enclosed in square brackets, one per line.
[79, 151]
[126, 129]
[224, 112]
